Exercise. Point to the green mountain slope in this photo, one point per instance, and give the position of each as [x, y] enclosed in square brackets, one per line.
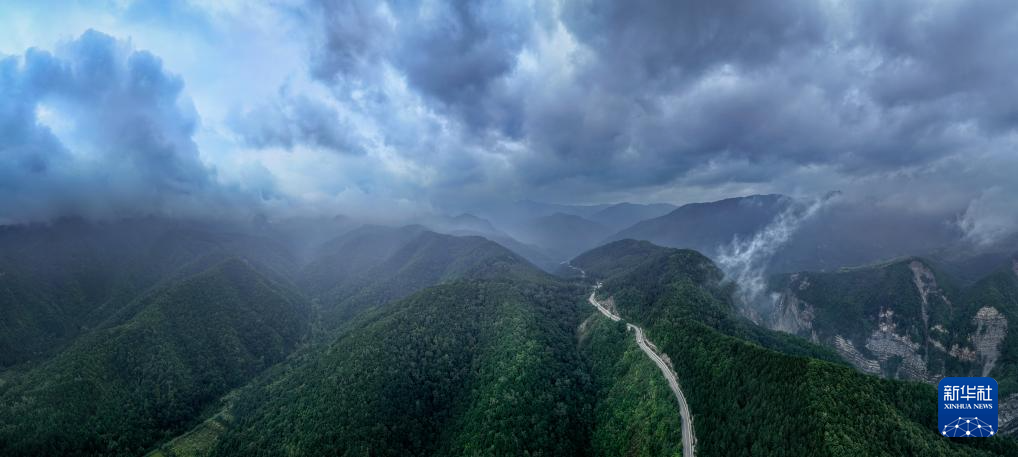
[473, 367]
[635, 412]
[373, 267]
[343, 262]
[752, 392]
[906, 319]
[65, 279]
[118, 390]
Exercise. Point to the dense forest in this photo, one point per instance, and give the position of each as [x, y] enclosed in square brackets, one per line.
[466, 368]
[118, 390]
[757, 394]
[221, 344]
[940, 314]
[221, 312]
[635, 413]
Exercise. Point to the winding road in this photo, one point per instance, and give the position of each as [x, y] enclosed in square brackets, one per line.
[688, 438]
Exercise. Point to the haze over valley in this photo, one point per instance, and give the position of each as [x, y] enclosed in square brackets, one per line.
[478, 228]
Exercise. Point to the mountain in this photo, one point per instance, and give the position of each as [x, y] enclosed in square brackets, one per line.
[373, 265]
[634, 410]
[431, 258]
[304, 236]
[233, 338]
[60, 280]
[757, 392]
[847, 233]
[622, 215]
[510, 214]
[218, 306]
[903, 319]
[705, 227]
[463, 222]
[343, 263]
[907, 319]
[618, 257]
[118, 390]
[841, 233]
[564, 235]
[968, 261]
[516, 216]
[483, 366]
[467, 224]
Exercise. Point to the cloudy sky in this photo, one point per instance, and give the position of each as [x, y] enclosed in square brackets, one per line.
[119, 107]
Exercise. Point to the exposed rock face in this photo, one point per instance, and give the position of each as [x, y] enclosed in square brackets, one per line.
[792, 315]
[926, 285]
[848, 352]
[1008, 415]
[962, 353]
[886, 344]
[888, 349]
[991, 328]
[917, 334]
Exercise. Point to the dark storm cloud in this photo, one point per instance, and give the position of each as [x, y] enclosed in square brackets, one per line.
[600, 97]
[435, 103]
[294, 120]
[126, 133]
[675, 85]
[450, 52]
[350, 36]
[954, 52]
[592, 97]
[647, 46]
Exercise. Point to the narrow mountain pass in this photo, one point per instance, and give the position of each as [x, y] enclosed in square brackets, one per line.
[688, 438]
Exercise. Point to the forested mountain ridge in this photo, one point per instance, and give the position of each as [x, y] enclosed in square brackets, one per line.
[65, 279]
[61, 280]
[118, 390]
[237, 293]
[907, 319]
[347, 282]
[634, 411]
[455, 345]
[471, 367]
[705, 227]
[756, 392]
[839, 233]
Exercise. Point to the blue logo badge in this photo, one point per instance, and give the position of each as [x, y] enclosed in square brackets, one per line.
[968, 407]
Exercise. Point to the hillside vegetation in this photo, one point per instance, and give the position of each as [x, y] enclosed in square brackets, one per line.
[908, 319]
[119, 390]
[473, 367]
[753, 392]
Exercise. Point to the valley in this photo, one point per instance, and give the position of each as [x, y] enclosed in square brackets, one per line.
[483, 228]
[688, 437]
[240, 341]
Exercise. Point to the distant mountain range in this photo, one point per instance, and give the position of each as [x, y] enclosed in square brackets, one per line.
[840, 234]
[312, 337]
[705, 227]
[126, 332]
[562, 231]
